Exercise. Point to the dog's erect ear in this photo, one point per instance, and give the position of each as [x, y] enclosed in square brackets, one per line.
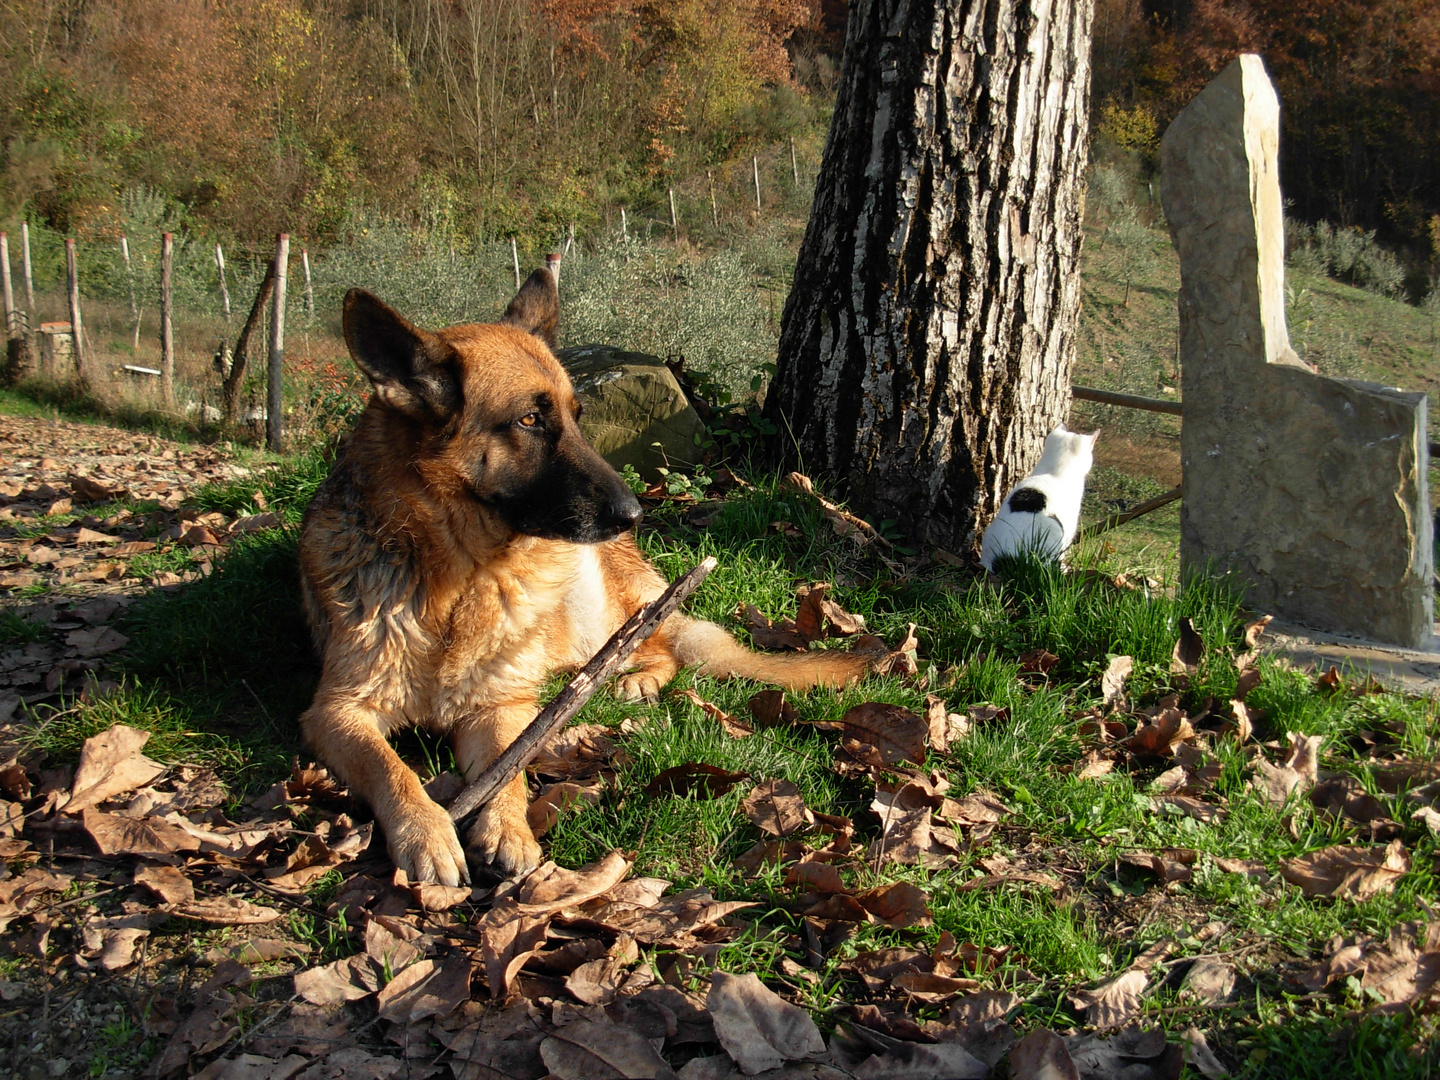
[536, 307]
[411, 369]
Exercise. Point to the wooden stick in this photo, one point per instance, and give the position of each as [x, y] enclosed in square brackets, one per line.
[674, 221]
[624, 228]
[794, 165]
[605, 663]
[714, 210]
[515, 258]
[1134, 512]
[274, 429]
[167, 330]
[1128, 401]
[755, 165]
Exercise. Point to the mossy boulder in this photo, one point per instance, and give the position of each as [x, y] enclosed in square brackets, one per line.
[633, 402]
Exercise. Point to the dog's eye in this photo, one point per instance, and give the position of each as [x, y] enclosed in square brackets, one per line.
[530, 419]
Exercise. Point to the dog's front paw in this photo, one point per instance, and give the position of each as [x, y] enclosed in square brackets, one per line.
[501, 837]
[424, 844]
[638, 686]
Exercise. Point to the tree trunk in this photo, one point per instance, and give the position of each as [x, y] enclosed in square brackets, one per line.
[926, 346]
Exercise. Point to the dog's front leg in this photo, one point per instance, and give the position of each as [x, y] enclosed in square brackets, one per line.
[655, 665]
[501, 834]
[347, 735]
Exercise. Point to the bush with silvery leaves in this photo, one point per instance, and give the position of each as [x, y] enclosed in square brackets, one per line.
[1346, 253]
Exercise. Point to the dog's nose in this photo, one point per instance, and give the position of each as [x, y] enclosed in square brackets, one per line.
[623, 513]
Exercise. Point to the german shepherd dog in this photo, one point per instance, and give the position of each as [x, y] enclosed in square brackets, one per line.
[468, 543]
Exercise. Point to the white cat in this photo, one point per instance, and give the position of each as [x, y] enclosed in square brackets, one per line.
[1042, 513]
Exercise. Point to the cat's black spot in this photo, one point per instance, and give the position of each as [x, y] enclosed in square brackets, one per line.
[1027, 501]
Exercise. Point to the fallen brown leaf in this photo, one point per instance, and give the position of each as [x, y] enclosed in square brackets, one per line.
[943, 726]
[1159, 735]
[1209, 981]
[1253, 632]
[1199, 1056]
[1346, 872]
[1041, 1055]
[1112, 683]
[166, 882]
[586, 1049]
[226, 911]
[694, 778]
[110, 763]
[508, 938]
[1111, 1003]
[892, 732]
[116, 835]
[555, 799]
[1037, 662]
[1189, 649]
[758, 1029]
[550, 887]
[1250, 868]
[780, 634]
[868, 1054]
[733, 727]
[776, 807]
[1297, 773]
[426, 989]
[819, 617]
[770, 709]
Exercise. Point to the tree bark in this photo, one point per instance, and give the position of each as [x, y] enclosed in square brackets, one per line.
[926, 346]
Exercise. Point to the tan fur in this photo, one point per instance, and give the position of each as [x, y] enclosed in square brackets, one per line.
[429, 610]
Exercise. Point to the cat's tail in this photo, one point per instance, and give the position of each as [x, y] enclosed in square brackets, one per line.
[709, 648]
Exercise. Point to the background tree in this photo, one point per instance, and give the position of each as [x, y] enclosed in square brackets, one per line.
[926, 346]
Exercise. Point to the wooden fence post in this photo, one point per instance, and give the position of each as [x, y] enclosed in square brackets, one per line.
[29, 275]
[515, 258]
[274, 433]
[224, 289]
[130, 280]
[167, 329]
[624, 228]
[674, 221]
[794, 166]
[714, 210]
[309, 288]
[11, 320]
[755, 165]
[570, 240]
[77, 329]
[552, 263]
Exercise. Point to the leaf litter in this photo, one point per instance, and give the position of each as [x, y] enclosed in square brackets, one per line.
[567, 973]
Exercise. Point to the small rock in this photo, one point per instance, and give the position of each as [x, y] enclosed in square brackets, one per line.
[57, 1067]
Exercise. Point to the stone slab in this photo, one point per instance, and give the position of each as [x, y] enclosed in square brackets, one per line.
[1406, 671]
[632, 402]
[1312, 490]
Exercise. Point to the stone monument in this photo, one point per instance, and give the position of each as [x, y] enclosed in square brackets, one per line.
[1312, 490]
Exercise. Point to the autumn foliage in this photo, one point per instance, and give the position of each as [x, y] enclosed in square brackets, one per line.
[1359, 84]
[262, 114]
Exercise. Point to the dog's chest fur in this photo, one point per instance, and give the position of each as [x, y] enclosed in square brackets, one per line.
[429, 648]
